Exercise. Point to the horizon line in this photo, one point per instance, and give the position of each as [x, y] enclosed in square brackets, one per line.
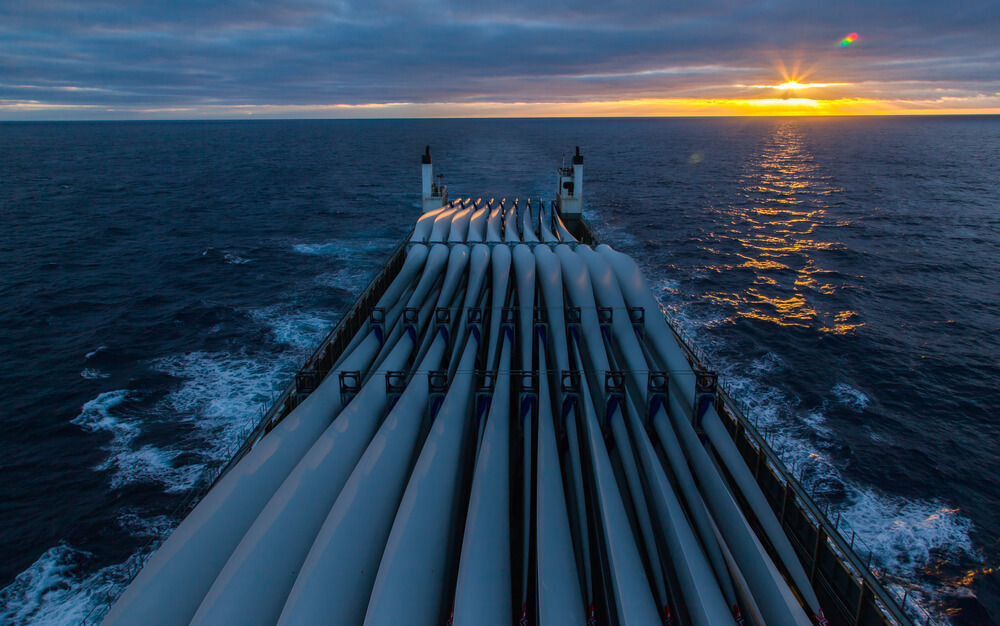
[276, 118]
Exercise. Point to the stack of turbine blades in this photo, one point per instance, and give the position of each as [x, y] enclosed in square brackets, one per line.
[503, 455]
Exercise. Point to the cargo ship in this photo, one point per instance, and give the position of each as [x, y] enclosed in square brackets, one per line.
[505, 428]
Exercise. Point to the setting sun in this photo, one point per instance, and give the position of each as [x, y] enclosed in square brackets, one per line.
[797, 85]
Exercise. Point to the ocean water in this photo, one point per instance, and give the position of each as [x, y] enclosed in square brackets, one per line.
[160, 281]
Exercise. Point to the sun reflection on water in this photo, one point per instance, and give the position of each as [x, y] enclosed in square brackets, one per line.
[778, 221]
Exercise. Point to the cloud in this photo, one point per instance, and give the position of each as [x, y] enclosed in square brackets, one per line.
[141, 56]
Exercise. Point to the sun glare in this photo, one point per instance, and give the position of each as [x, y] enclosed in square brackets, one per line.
[792, 85]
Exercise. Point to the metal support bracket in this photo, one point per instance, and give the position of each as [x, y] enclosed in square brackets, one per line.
[306, 381]
[376, 319]
[442, 316]
[508, 315]
[527, 394]
[486, 382]
[605, 315]
[442, 321]
[614, 382]
[411, 322]
[437, 388]
[485, 385]
[573, 322]
[657, 394]
[474, 322]
[573, 315]
[395, 384]
[541, 327]
[474, 315]
[539, 315]
[437, 382]
[637, 315]
[614, 396]
[411, 316]
[570, 387]
[350, 385]
[705, 386]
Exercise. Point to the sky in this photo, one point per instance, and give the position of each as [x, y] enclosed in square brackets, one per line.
[192, 59]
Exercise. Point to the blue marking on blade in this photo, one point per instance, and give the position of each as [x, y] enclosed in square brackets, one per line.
[526, 405]
[436, 405]
[613, 402]
[540, 332]
[706, 401]
[484, 403]
[574, 332]
[509, 331]
[655, 402]
[568, 403]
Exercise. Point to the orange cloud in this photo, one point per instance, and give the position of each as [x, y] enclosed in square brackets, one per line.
[643, 107]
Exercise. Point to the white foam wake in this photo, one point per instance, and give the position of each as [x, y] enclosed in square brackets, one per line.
[92, 373]
[299, 330]
[127, 462]
[50, 592]
[351, 279]
[348, 250]
[56, 590]
[235, 259]
[220, 394]
[850, 397]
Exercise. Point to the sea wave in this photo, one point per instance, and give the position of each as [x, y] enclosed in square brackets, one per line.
[351, 279]
[850, 397]
[235, 259]
[299, 330]
[220, 394]
[349, 249]
[57, 589]
[53, 592]
[126, 462]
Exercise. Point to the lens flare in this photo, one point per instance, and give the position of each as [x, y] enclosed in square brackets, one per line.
[846, 41]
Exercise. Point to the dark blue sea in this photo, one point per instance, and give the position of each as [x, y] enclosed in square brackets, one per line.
[159, 281]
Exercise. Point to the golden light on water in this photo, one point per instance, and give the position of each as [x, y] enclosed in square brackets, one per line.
[784, 239]
[970, 576]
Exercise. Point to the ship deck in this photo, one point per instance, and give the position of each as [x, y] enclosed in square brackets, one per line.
[836, 576]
